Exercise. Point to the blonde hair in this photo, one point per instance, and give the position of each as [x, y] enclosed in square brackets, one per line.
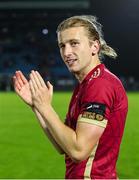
[94, 31]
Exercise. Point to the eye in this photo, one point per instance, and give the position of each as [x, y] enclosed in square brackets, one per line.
[61, 46]
[74, 43]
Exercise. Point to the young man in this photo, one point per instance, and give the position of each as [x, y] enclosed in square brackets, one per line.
[92, 133]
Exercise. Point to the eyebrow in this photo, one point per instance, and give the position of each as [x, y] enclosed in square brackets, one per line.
[70, 41]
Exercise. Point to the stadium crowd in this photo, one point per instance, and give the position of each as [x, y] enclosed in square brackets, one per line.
[30, 44]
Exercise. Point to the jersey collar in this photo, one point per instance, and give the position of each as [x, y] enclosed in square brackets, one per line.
[94, 73]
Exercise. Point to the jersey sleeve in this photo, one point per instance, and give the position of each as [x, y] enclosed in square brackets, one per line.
[96, 104]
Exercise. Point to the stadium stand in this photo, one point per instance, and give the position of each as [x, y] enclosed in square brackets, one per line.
[27, 45]
[28, 41]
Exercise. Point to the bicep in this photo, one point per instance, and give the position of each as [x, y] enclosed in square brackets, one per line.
[88, 136]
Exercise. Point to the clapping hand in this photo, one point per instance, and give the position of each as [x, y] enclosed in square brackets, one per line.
[41, 93]
[21, 86]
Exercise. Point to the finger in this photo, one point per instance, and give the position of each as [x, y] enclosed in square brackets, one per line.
[17, 88]
[40, 79]
[24, 80]
[14, 79]
[33, 82]
[50, 87]
[18, 78]
[35, 79]
[16, 84]
[31, 87]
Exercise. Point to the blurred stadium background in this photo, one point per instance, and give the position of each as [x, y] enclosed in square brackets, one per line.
[28, 41]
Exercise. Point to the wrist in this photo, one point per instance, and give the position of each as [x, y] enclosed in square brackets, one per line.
[49, 113]
[43, 109]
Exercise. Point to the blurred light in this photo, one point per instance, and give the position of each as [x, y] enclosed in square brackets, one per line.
[5, 30]
[45, 31]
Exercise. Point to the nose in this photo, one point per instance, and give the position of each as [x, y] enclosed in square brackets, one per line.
[67, 50]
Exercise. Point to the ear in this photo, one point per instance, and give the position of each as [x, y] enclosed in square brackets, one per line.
[95, 47]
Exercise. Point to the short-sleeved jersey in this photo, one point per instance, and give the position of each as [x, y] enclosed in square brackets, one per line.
[101, 100]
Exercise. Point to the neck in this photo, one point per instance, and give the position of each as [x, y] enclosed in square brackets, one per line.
[83, 73]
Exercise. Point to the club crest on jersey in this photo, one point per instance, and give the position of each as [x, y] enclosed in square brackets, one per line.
[94, 111]
[95, 74]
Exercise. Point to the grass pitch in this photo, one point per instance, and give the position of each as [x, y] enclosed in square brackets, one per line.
[25, 152]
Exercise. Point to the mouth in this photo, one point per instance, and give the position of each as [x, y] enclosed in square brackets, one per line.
[70, 62]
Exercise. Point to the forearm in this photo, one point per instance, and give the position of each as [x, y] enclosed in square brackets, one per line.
[64, 136]
[46, 131]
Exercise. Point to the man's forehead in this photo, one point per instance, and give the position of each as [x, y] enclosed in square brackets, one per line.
[71, 33]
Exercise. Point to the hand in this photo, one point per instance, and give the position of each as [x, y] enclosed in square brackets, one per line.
[21, 86]
[41, 93]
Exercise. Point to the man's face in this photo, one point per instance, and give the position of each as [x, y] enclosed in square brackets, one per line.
[75, 49]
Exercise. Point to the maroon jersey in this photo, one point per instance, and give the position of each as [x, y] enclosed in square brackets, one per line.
[101, 100]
